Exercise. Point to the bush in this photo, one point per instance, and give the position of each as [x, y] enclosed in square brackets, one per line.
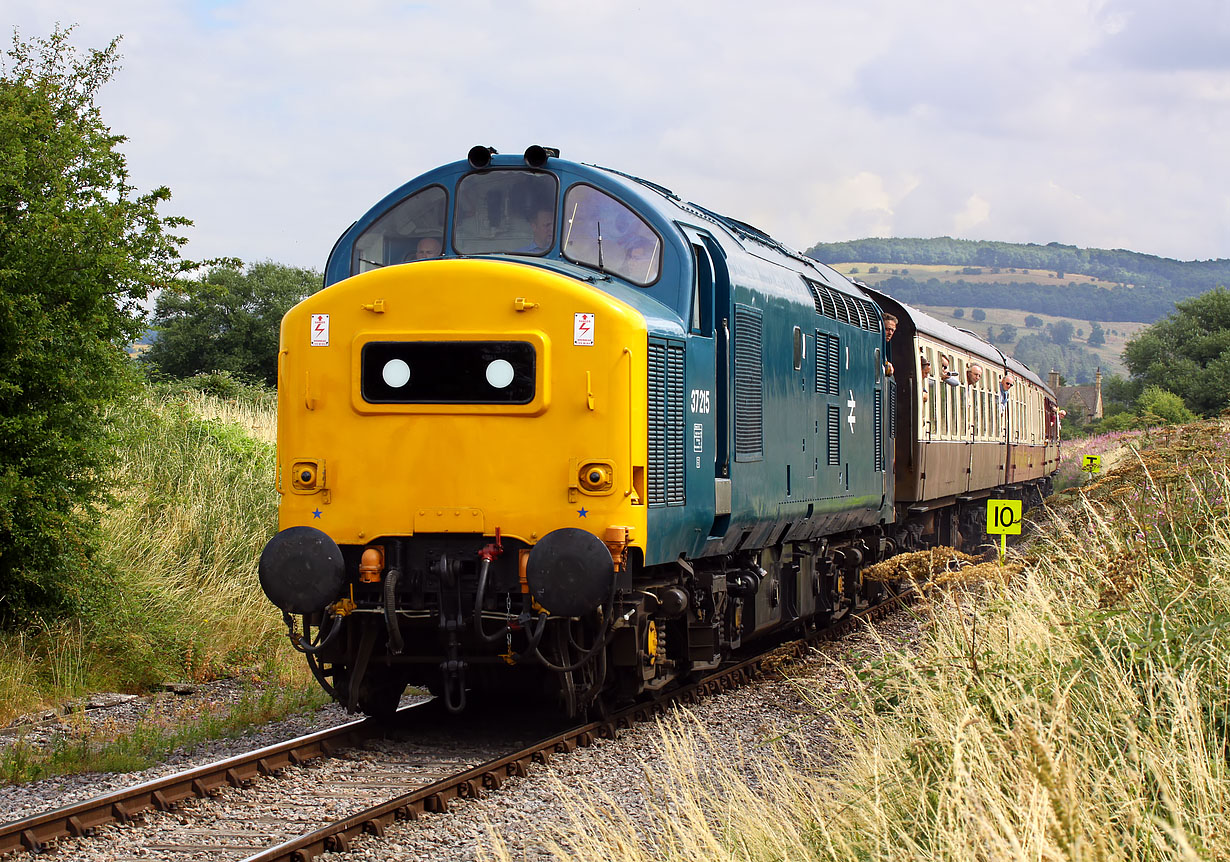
[78, 252]
[172, 592]
[1156, 406]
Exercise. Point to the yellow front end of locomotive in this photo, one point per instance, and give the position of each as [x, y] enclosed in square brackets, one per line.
[461, 454]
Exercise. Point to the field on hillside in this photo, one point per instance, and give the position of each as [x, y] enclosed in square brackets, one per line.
[1110, 354]
[872, 273]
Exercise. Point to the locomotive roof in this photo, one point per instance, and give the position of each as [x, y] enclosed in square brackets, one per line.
[643, 195]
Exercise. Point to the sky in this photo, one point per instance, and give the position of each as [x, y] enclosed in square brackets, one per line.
[1096, 123]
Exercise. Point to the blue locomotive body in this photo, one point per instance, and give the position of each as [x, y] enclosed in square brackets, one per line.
[701, 432]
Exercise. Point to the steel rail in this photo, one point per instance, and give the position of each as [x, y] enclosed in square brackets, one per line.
[38, 832]
[490, 776]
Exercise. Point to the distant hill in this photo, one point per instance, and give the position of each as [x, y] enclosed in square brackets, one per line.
[1056, 279]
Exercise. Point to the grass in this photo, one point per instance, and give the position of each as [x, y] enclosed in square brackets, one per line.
[173, 595]
[1073, 706]
[112, 749]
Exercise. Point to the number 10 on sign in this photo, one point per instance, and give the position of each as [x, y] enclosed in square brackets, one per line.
[1003, 517]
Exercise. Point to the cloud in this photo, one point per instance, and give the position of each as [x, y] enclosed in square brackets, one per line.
[278, 124]
[1152, 36]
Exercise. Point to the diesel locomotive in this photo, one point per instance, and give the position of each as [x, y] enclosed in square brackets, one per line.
[550, 429]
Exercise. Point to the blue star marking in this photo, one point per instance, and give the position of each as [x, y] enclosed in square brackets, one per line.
[583, 512]
[317, 513]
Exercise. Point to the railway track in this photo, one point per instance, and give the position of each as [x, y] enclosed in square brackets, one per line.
[403, 788]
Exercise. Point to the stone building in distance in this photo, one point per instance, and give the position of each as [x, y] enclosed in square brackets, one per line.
[1086, 399]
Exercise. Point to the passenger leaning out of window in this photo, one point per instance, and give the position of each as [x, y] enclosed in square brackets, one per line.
[890, 326]
[1005, 386]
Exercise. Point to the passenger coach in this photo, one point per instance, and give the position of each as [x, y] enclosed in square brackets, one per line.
[970, 439]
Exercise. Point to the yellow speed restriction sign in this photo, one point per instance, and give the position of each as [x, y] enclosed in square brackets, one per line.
[1003, 517]
[1091, 464]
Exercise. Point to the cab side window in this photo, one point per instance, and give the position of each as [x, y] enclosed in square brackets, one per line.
[604, 233]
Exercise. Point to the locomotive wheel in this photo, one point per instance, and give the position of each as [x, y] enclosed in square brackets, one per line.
[380, 695]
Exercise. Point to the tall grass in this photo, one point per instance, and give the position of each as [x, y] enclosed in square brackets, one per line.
[1077, 710]
[173, 594]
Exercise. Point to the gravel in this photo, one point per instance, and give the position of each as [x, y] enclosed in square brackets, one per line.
[113, 714]
[527, 812]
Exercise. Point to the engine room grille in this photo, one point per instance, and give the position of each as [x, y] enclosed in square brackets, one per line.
[828, 364]
[836, 305]
[879, 431]
[749, 384]
[666, 433]
[834, 429]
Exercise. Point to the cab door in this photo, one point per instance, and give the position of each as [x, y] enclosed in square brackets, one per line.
[709, 404]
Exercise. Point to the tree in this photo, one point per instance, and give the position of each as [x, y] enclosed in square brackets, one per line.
[1007, 334]
[1074, 363]
[1033, 321]
[1157, 406]
[1097, 337]
[1061, 332]
[1188, 353]
[978, 314]
[227, 321]
[958, 313]
[79, 248]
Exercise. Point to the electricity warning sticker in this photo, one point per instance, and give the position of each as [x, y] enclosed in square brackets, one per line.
[583, 330]
[320, 330]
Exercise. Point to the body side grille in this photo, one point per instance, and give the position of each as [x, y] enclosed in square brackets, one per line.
[749, 383]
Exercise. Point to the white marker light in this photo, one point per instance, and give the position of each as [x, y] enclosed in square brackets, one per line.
[500, 373]
[396, 373]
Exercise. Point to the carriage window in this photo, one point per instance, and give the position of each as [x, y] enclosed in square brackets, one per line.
[962, 420]
[412, 230]
[929, 387]
[944, 396]
[602, 232]
[505, 212]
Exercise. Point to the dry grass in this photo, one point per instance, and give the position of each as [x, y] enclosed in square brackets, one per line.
[1077, 709]
[175, 594]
